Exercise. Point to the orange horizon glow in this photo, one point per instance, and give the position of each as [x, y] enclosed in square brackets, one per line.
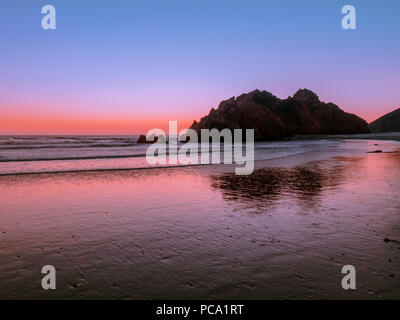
[34, 124]
[74, 125]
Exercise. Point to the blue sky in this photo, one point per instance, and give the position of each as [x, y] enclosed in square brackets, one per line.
[177, 59]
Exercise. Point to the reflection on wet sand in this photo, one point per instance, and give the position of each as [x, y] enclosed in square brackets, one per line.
[268, 185]
[190, 233]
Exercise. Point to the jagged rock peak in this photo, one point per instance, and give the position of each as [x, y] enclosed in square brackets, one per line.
[306, 95]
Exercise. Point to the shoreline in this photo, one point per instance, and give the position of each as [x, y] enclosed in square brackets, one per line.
[290, 160]
[386, 136]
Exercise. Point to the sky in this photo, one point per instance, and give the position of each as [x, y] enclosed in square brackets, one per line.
[123, 67]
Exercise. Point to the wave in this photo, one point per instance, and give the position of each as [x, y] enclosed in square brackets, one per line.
[149, 167]
[74, 158]
[31, 141]
[21, 146]
[11, 141]
[106, 169]
[92, 157]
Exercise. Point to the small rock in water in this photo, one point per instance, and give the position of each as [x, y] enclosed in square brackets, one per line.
[143, 139]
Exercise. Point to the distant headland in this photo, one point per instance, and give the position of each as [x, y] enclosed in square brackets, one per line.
[390, 122]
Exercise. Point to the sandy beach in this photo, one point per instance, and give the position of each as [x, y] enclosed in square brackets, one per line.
[204, 233]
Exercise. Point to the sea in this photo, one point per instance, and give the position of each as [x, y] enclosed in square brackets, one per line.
[58, 153]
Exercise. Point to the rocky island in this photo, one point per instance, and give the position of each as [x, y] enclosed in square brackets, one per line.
[275, 119]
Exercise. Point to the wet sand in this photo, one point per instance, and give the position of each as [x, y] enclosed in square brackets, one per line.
[203, 233]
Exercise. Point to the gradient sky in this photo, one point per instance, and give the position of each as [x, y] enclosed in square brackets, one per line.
[123, 67]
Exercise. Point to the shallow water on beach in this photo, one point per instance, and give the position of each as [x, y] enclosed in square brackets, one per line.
[202, 232]
[43, 154]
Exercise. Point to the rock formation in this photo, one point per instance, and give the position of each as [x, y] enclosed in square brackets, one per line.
[142, 139]
[273, 118]
[390, 122]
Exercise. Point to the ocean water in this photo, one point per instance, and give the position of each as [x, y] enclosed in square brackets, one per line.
[41, 154]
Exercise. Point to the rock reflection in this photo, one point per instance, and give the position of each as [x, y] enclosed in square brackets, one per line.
[267, 186]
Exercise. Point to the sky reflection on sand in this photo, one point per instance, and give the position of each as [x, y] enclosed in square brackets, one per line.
[198, 233]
